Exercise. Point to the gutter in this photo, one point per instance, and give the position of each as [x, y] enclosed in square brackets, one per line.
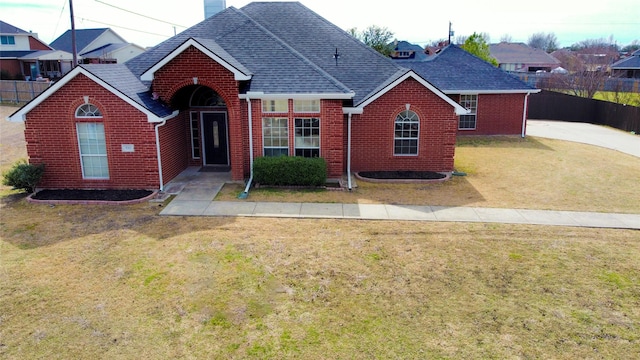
[524, 115]
[349, 151]
[245, 193]
[350, 111]
[164, 122]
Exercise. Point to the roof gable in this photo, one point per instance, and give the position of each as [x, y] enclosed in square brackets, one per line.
[130, 90]
[212, 50]
[85, 38]
[459, 110]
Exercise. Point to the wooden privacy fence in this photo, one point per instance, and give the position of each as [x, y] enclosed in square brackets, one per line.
[20, 92]
[549, 105]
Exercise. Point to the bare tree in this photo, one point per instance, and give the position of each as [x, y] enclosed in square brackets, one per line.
[547, 42]
[506, 38]
[378, 38]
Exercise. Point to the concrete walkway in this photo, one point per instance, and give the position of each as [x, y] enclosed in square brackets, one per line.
[587, 134]
[195, 192]
[208, 207]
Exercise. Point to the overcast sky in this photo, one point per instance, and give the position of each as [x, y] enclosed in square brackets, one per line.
[416, 21]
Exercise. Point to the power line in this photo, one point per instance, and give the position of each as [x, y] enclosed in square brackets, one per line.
[135, 13]
[126, 28]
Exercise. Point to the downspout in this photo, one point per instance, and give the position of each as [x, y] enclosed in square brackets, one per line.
[158, 153]
[245, 193]
[349, 151]
[524, 114]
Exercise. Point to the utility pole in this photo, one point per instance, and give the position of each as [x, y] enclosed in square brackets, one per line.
[450, 33]
[73, 37]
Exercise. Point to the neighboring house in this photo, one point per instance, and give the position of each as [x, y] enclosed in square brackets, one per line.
[497, 100]
[23, 56]
[628, 67]
[268, 79]
[98, 46]
[519, 57]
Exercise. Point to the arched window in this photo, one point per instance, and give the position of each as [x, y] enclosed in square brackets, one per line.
[92, 143]
[407, 130]
[88, 110]
[206, 97]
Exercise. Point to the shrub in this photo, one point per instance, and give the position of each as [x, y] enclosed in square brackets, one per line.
[23, 176]
[290, 171]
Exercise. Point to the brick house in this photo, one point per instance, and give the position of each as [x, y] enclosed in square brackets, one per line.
[264, 80]
[496, 99]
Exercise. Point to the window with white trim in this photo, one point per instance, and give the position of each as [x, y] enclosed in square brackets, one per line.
[275, 136]
[93, 150]
[406, 134]
[275, 105]
[468, 122]
[306, 106]
[88, 110]
[307, 137]
[7, 40]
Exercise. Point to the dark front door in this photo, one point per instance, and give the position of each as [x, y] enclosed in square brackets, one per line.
[214, 129]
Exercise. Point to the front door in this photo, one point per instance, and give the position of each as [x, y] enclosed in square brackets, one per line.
[214, 129]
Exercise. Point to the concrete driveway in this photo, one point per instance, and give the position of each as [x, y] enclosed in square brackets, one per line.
[586, 133]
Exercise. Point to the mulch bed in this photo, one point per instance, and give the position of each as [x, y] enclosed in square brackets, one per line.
[402, 175]
[91, 195]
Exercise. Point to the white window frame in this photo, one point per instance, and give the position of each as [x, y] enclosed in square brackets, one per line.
[411, 118]
[280, 138]
[301, 142]
[306, 106]
[469, 102]
[275, 105]
[196, 148]
[8, 40]
[97, 136]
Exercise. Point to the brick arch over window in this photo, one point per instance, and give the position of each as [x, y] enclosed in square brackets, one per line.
[76, 104]
[227, 98]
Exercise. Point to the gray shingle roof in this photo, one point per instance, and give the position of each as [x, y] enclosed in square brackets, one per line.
[119, 76]
[631, 62]
[288, 49]
[454, 70]
[520, 53]
[6, 28]
[84, 37]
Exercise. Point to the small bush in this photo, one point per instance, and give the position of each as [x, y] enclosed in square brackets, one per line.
[23, 176]
[290, 171]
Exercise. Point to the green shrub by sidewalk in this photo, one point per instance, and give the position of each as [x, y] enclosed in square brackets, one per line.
[290, 171]
[23, 176]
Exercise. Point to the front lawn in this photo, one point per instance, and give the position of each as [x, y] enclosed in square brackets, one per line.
[508, 172]
[99, 282]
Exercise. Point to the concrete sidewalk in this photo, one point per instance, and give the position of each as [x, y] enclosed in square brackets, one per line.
[207, 207]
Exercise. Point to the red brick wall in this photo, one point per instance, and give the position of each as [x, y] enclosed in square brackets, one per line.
[331, 132]
[373, 132]
[192, 63]
[497, 114]
[175, 147]
[50, 132]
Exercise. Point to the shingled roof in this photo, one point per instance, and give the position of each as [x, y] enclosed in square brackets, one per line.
[84, 37]
[288, 49]
[454, 70]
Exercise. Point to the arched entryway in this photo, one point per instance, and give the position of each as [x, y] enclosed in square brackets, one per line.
[208, 125]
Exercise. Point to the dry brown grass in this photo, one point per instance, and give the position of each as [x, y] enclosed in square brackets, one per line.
[122, 282]
[531, 173]
[12, 144]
